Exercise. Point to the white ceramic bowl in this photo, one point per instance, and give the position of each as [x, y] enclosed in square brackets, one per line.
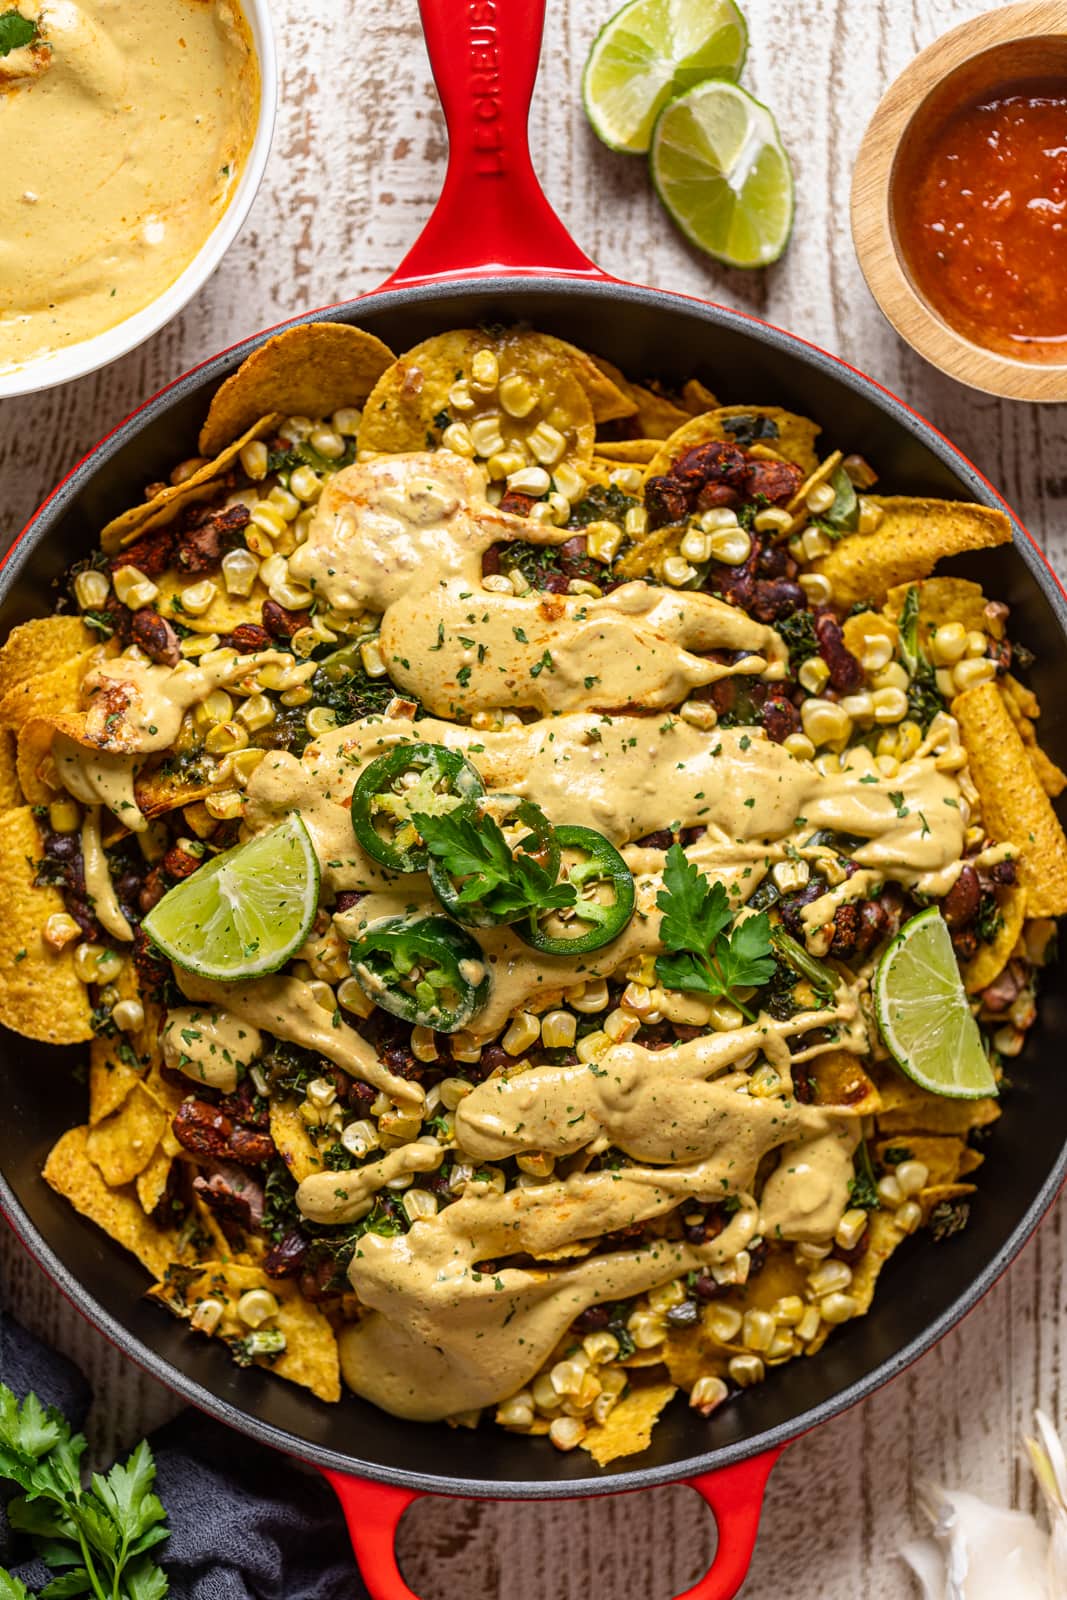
[74, 361]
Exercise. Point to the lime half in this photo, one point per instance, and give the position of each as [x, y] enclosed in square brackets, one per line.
[923, 1015]
[650, 51]
[722, 172]
[245, 912]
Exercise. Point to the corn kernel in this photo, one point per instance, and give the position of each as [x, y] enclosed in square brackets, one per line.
[517, 396]
[589, 997]
[269, 519]
[524, 1032]
[256, 1306]
[889, 1192]
[530, 480]
[724, 1323]
[829, 1277]
[646, 1330]
[730, 545]
[819, 499]
[699, 714]
[566, 1433]
[850, 1229]
[603, 540]
[788, 1311]
[208, 1314]
[198, 596]
[870, 515]
[814, 543]
[889, 705]
[824, 722]
[546, 444]
[677, 571]
[696, 545]
[558, 1030]
[837, 1308]
[968, 674]
[746, 1370]
[485, 369]
[419, 1205]
[601, 1347]
[909, 1216]
[224, 738]
[773, 520]
[488, 440]
[813, 674]
[371, 656]
[757, 1330]
[360, 1138]
[809, 1325]
[347, 421]
[593, 1046]
[799, 746]
[818, 589]
[133, 588]
[91, 588]
[706, 1394]
[60, 930]
[628, 479]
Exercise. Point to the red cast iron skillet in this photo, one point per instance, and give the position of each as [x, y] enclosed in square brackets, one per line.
[494, 251]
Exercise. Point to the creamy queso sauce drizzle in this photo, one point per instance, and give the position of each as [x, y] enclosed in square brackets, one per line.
[404, 537]
[126, 126]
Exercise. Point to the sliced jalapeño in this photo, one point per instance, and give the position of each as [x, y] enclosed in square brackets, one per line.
[605, 897]
[413, 778]
[427, 970]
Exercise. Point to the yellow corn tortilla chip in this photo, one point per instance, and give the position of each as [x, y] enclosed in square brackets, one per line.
[40, 645]
[123, 1144]
[46, 694]
[613, 453]
[697, 397]
[908, 1109]
[913, 536]
[605, 385]
[628, 1427]
[111, 1079]
[404, 410]
[1023, 708]
[70, 1173]
[839, 1079]
[884, 1235]
[151, 1184]
[10, 788]
[656, 415]
[794, 441]
[200, 485]
[797, 507]
[991, 959]
[309, 371]
[295, 1145]
[158, 791]
[647, 554]
[938, 1194]
[1015, 809]
[225, 613]
[946, 1157]
[945, 599]
[310, 1356]
[691, 1353]
[40, 994]
[35, 770]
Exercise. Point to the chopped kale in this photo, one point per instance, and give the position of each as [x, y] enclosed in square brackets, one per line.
[989, 921]
[746, 427]
[279, 1202]
[601, 505]
[442, 421]
[894, 1154]
[862, 1189]
[949, 1217]
[924, 700]
[798, 631]
[338, 1159]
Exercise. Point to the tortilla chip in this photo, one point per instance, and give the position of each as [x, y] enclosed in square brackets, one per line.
[40, 645]
[151, 1184]
[40, 994]
[794, 439]
[697, 397]
[295, 1145]
[407, 408]
[908, 1109]
[70, 1173]
[656, 416]
[945, 599]
[1023, 708]
[946, 1157]
[940, 1193]
[839, 1079]
[628, 1427]
[158, 790]
[612, 453]
[309, 371]
[690, 1353]
[164, 506]
[647, 554]
[110, 1079]
[884, 1235]
[913, 536]
[10, 788]
[225, 613]
[797, 507]
[604, 384]
[1015, 809]
[123, 1144]
[310, 1357]
[46, 694]
[991, 959]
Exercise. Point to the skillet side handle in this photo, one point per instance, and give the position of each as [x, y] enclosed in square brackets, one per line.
[373, 1512]
[492, 215]
[735, 1495]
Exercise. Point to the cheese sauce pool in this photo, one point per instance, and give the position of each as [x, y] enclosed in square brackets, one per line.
[982, 221]
[126, 125]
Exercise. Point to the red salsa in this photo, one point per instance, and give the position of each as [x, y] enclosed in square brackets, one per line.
[982, 220]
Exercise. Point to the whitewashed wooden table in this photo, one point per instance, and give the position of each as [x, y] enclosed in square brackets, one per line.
[357, 161]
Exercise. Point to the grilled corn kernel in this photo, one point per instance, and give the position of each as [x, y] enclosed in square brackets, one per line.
[819, 499]
[946, 686]
[516, 1412]
[909, 1216]
[207, 1314]
[485, 370]
[877, 652]
[256, 1306]
[790, 875]
[829, 1277]
[546, 444]
[536, 1164]
[677, 571]
[360, 1138]
[889, 705]
[635, 521]
[646, 1329]
[730, 545]
[93, 963]
[245, 763]
[860, 707]
[457, 438]
[284, 502]
[593, 996]
[504, 464]
[814, 543]
[224, 738]
[666, 1297]
[91, 588]
[911, 1177]
[970, 673]
[593, 1046]
[326, 443]
[870, 515]
[347, 421]
[813, 674]
[64, 816]
[696, 545]
[530, 480]
[558, 1029]
[487, 437]
[819, 590]
[517, 395]
[60, 930]
[799, 746]
[320, 719]
[889, 1192]
[706, 1394]
[524, 1032]
[757, 1330]
[566, 1433]
[837, 1308]
[570, 482]
[603, 540]
[620, 1025]
[254, 460]
[746, 1370]
[453, 1090]
[198, 597]
[788, 1311]
[544, 1395]
[724, 1323]
[268, 517]
[824, 722]
[601, 1347]
[371, 655]
[699, 714]
[850, 1229]
[133, 588]
[256, 712]
[423, 1044]
[419, 1204]
[724, 1016]
[809, 1325]
[773, 520]
[305, 484]
[239, 571]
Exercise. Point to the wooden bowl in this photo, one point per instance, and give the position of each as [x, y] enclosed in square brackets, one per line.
[1013, 43]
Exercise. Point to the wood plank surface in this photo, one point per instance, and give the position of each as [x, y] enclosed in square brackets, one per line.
[358, 157]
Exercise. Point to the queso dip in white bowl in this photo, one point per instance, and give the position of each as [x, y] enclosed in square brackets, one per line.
[136, 133]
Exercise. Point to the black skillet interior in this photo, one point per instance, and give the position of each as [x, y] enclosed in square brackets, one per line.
[925, 1288]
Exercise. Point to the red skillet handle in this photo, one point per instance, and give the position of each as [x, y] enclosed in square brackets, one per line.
[735, 1495]
[492, 215]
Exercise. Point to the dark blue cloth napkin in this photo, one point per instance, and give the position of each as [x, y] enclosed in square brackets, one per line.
[246, 1523]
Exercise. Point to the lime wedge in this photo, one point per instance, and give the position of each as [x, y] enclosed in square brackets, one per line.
[722, 172]
[245, 912]
[923, 1015]
[650, 51]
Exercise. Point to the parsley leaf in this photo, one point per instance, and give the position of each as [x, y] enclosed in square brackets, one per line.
[509, 885]
[703, 957]
[15, 31]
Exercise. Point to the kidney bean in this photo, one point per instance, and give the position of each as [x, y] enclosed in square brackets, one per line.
[960, 905]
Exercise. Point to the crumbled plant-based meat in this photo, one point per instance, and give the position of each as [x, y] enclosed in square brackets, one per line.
[281, 623]
[155, 636]
[205, 1130]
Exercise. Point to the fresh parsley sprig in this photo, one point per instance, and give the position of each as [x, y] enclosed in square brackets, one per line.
[704, 957]
[96, 1538]
[510, 885]
[16, 31]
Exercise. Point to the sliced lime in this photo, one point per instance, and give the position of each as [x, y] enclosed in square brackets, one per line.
[245, 912]
[650, 51]
[923, 1014]
[722, 172]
